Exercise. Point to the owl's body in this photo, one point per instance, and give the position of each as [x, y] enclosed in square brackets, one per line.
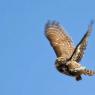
[68, 57]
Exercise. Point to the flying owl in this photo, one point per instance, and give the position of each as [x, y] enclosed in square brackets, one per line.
[68, 56]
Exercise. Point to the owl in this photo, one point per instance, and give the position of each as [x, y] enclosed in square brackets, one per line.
[68, 57]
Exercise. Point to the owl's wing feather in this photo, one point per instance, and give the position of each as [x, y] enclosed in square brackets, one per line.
[79, 50]
[59, 40]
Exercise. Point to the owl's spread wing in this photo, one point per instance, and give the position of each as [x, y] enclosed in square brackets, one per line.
[59, 40]
[79, 50]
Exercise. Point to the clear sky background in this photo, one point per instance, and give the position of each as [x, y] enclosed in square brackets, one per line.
[26, 57]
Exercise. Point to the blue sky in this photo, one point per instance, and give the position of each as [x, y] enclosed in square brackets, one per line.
[27, 59]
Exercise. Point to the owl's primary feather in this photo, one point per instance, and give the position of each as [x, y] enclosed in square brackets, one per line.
[59, 40]
[79, 50]
[68, 57]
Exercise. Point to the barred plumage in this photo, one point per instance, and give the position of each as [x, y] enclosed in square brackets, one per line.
[89, 72]
[68, 56]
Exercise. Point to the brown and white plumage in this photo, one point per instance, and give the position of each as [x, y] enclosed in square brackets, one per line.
[79, 50]
[59, 40]
[68, 57]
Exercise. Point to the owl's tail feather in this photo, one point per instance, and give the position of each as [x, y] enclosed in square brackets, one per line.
[89, 72]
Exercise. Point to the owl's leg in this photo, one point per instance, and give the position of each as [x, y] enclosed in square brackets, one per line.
[78, 78]
[80, 68]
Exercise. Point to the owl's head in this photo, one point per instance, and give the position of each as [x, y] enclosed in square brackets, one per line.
[60, 61]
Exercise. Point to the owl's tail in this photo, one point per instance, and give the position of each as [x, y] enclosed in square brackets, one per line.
[89, 72]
